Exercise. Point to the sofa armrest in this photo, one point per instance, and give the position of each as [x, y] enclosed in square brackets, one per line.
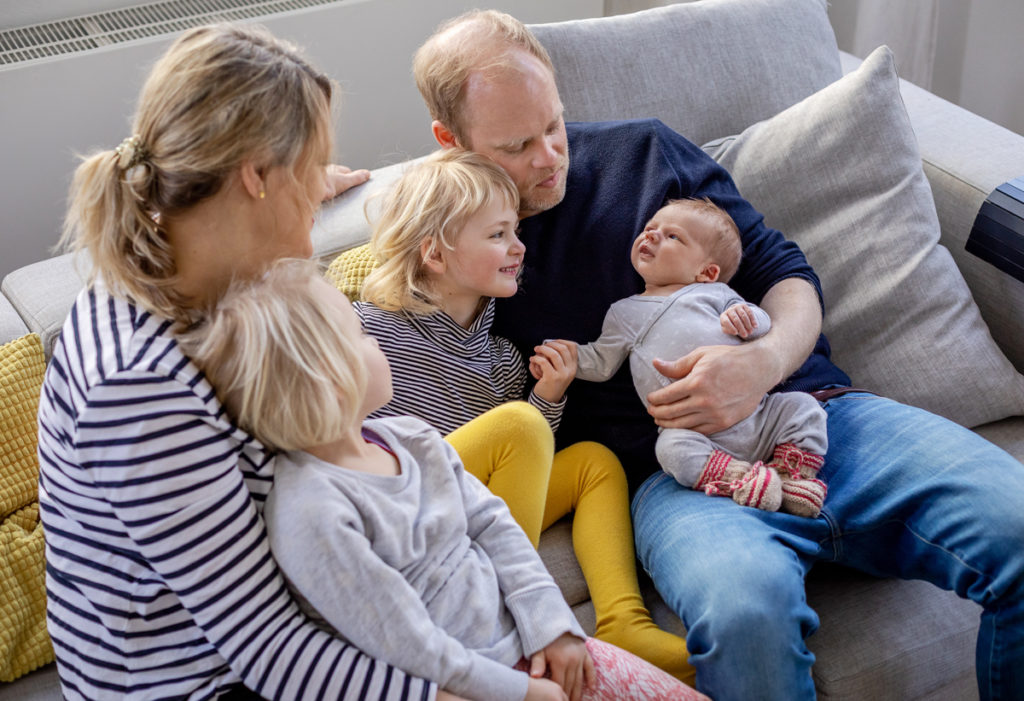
[965, 158]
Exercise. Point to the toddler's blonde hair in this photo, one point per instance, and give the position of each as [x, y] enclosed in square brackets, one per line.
[432, 201]
[273, 351]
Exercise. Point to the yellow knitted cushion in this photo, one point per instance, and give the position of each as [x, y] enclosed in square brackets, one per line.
[21, 376]
[24, 644]
[350, 268]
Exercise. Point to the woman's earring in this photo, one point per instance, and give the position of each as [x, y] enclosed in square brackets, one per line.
[263, 194]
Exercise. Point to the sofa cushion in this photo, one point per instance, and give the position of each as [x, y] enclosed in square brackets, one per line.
[11, 324]
[688, 64]
[24, 643]
[43, 293]
[841, 175]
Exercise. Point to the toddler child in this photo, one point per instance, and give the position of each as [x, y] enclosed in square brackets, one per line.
[384, 537]
[447, 246]
[686, 254]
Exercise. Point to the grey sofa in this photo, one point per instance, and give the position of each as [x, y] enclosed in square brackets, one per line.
[712, 70]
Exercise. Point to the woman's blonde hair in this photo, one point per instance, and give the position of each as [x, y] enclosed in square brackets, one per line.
[432, 201]
[220, 94]
[724, 244]
[274, 353]
[477, 40]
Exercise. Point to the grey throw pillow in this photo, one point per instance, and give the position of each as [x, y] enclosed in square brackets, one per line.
[841, 175]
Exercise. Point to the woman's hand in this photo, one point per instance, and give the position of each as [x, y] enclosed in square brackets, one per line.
[340, 178]
[568, 664]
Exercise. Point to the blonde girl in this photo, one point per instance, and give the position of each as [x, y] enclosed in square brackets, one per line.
[380, 512]
[447, 246]
[159, 576]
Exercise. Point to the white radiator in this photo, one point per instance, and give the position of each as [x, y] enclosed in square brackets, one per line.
[68, 87]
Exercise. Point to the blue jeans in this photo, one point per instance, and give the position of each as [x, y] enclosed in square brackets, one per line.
[910, 495]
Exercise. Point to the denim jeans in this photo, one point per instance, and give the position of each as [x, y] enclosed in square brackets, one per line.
[910, 495]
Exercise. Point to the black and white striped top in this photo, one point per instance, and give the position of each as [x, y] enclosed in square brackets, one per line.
[447, 375]
[159, 577]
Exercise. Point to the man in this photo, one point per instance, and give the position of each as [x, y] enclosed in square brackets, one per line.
[734, 575]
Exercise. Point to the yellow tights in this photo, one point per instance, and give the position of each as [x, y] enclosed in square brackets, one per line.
[511, 450]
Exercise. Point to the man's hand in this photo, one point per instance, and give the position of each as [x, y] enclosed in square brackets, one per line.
[568, 664]
[717, 386]
[738, 320]
[554, 367]
[340, 178]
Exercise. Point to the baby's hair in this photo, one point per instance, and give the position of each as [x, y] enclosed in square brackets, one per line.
[272, 350]
[432, 201]
[724, 245]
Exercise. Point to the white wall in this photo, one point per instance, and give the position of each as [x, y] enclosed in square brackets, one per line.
[48, 114]
[978, 51]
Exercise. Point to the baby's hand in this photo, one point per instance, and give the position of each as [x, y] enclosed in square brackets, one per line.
[738, 320]
[554, 367]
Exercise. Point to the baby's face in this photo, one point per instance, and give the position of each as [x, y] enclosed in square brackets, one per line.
[671, 249]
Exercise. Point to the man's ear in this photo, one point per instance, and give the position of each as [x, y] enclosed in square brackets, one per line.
[709, 273]
[431, 256]
[443, 135]
[252, 178]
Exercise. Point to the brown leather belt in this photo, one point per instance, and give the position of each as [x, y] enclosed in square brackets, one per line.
[823, 395]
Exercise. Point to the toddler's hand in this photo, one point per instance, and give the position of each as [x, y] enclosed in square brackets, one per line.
[544, 690]
[554, 367]
[567, 662]
[738, 320]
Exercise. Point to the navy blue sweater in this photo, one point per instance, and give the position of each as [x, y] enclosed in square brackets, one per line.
[577, 264]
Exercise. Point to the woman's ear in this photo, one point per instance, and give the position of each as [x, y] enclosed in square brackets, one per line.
[252, 178]
[709, 273]
[430, 255]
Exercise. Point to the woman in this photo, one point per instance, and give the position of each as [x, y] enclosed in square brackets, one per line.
[160, 581]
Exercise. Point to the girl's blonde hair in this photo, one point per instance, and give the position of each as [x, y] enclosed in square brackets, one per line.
[432, 201]
[220, 94]
[272, 350]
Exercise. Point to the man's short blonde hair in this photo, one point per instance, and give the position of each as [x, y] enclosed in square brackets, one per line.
[432, 202]
[724, 244]
[478, 40]
[275, 354]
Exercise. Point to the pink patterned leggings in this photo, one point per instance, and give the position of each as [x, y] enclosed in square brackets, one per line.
[622, 676]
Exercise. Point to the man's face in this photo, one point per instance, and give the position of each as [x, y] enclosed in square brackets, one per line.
[514, 117]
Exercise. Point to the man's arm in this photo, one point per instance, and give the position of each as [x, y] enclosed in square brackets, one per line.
[717, 386]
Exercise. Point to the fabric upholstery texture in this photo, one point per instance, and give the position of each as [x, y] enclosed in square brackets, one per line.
[840, 174]
[647, 64]
[24, 643]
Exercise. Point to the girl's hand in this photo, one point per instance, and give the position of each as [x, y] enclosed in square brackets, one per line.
[567, 662]
[340, 178]
[738, 320]
[554, 367]
[543, 690]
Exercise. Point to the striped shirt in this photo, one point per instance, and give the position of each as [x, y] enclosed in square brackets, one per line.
[159, 577]
[447, 375]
